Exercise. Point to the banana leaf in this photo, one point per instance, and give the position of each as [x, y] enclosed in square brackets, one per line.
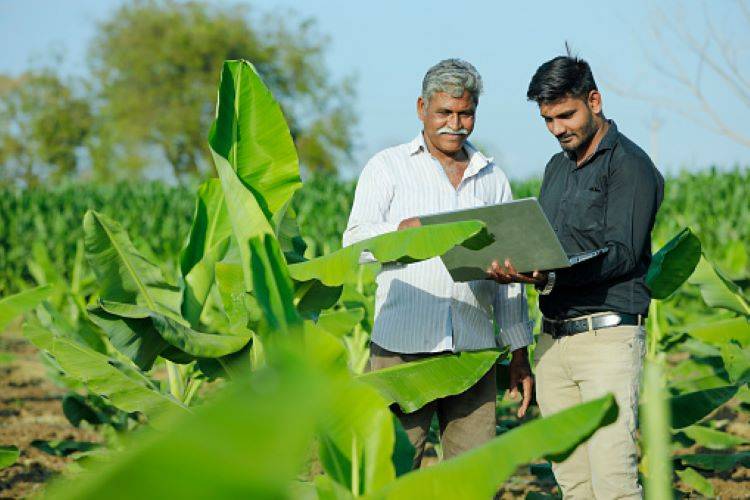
[413, 385]
[717, 290]
[342, 321]
[722, 332]
[409, 245]
[696, 482]
[357, 438]
[712, 438]
[8, 455]
[250, 442]
[125, 388]
[250, 132]
[690, 408]
[124, 275]
[719, 463]
[136, 338]
[14, 305]
[673, 264]
[479, 473]
[207, 244]
[198, 344]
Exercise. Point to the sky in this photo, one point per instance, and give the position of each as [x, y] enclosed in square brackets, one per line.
[389, 45]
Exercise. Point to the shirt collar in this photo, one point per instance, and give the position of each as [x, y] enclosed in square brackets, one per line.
[477, 160]
[608, 142]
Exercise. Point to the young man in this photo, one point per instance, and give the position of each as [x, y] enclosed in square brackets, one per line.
[419, 310]
[601, 191]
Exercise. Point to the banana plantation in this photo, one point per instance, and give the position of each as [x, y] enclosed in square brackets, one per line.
[214, 344]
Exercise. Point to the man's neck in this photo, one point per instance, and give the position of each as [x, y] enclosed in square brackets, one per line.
[585, 152]
[459, 156]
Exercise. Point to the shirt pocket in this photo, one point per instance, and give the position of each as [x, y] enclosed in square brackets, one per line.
[588, 210]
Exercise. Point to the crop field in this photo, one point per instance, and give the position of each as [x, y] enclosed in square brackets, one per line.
[162, 341]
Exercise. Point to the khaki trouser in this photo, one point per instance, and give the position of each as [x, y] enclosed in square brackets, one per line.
[466, 420]
[585, 366]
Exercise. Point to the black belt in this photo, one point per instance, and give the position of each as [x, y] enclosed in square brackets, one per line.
[562, 328]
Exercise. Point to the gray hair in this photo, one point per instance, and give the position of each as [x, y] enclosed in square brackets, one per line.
[452, 76]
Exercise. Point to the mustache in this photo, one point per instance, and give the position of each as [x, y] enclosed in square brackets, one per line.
[448, 130]
[565, 136]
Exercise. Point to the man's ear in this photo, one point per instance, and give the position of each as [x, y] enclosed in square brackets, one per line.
[421, 108]
[595, 102]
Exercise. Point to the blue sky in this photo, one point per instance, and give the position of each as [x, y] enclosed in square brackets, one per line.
[389, 45]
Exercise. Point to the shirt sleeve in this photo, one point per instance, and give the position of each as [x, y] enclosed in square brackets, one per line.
[511, 308]
[372, 199]
[512, 316]
[634, 193]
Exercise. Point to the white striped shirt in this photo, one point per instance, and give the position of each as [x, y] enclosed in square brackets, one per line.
[418, 307]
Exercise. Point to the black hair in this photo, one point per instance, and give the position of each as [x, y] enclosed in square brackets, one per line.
[563, 76]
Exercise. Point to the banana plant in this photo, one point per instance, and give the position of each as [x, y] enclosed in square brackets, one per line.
[678, 399]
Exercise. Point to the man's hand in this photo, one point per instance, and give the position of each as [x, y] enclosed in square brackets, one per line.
[520, 373]
[507, 274]
[410, 222]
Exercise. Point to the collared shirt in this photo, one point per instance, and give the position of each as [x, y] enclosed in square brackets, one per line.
[418, 307]
[609, 201]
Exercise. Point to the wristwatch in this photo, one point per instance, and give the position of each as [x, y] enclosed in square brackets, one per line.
[549, 285]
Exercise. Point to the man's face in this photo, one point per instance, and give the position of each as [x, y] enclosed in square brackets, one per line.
[447, 120]
[572, 120]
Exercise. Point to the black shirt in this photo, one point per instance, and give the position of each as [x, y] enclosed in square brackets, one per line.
[608, 201]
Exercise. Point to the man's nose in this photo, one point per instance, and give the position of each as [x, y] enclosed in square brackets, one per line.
[454, 122]
[557, 129]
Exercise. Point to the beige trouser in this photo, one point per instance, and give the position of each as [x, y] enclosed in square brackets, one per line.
[585, 366]
[466, 420]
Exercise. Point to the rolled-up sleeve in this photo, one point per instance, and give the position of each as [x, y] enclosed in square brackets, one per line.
[512, 316]
[372, 199]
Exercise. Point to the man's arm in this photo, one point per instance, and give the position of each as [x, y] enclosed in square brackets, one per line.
[633, 196]
[372, 199]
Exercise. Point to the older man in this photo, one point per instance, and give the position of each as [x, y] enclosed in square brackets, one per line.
[420, 311]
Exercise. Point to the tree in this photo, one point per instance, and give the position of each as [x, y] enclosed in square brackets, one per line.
[155, 64]
[44, 126]
[687, 57]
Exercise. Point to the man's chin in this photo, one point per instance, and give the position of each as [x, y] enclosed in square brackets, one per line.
[451, 142]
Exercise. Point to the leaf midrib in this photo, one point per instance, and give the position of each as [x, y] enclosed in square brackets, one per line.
[151, 304]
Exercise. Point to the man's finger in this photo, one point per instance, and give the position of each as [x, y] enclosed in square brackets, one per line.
[527, 384]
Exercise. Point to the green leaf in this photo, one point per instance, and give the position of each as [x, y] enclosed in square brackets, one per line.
[199, 344]
[357, 438]
[124, 275]
[272, 286]
[249, 442]
[413, 385]
[15, 305]
[8, 455]
[251, 134]
[690, 408]
[126, 389]
[409, 245]
[737, 363]
[719, 463]
[718, 290]
[64, 447]
[342, 321]
[403, 450]
[136, 338]
[314, 296]
[711, 438]
[245, 214]
[480, 472]
[722, 332]
[673, 264]
[696, 482]
[207, 243]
